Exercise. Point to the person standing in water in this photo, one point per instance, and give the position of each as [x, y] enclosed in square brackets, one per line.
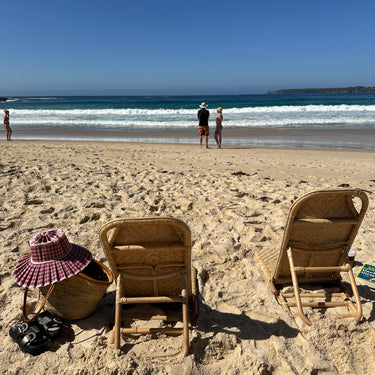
[6, 125]
[219, 126]
[203, 129]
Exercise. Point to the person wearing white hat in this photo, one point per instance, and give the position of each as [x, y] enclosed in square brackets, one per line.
[219, 126]
[203, 128]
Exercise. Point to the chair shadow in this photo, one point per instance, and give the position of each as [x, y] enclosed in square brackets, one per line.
[364, 291]
[209, 320]
[239, 325]
[101, 317]
[242, 326]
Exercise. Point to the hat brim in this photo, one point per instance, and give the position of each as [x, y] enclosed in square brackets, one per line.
[35, 275]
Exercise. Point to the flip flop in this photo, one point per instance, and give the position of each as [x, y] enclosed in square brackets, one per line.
[50, 324]
[30, 338]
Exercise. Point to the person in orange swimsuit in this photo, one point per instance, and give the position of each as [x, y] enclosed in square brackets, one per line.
[6, 125]
[203, 128]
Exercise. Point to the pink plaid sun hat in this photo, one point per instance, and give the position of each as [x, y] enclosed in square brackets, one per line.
[52, 259]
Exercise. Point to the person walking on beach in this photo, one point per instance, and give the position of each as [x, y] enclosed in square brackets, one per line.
[219, 126]
[203, 129]
[6, 124]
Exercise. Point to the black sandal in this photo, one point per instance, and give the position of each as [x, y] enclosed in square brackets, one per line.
[30, 338]
[50, 324]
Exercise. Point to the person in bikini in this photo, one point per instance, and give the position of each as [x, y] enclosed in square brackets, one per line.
[203, 129]
[219, 126]
[6, 124]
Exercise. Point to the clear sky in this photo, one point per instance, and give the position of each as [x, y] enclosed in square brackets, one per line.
[114, 47]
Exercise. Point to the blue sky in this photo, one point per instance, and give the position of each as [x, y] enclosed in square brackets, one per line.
[55, 47]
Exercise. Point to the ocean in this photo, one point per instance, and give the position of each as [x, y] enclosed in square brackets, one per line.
[341, 121]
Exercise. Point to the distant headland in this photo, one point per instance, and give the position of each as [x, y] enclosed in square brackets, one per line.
[336, 90]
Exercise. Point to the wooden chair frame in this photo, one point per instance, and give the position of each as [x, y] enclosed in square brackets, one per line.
[332, 236]
[180, 273]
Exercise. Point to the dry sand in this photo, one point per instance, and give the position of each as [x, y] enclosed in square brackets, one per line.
[235, 200]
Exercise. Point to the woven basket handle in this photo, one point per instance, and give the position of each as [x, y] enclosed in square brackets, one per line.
[24, 315]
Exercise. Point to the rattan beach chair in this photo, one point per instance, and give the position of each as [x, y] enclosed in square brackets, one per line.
[150, 258]
[318, 235]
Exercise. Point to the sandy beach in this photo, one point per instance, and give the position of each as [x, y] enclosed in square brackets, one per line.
[235, 201]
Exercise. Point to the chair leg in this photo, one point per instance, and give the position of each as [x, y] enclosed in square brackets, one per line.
[358, 315]
[186, 329]
[296, 289]
[117, 327]
[185, 317]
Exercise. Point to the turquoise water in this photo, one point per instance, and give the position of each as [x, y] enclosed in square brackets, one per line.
[121, 117]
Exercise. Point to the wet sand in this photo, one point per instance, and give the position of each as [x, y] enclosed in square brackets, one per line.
[259, 137]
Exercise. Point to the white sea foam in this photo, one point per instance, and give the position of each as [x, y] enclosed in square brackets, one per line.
[176, 112]
[250, 117]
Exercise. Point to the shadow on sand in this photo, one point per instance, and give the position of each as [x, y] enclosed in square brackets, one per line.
[239, 325]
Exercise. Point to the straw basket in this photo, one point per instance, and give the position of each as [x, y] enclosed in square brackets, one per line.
[78, 296]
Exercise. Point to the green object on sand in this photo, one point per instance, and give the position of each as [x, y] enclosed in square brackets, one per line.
[367, 273]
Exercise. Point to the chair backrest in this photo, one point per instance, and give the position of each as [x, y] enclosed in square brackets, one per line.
[320, 230]
[148, 246]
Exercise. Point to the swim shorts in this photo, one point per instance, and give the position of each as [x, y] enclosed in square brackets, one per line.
[203, 130]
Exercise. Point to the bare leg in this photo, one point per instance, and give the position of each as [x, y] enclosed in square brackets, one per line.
[9, 133]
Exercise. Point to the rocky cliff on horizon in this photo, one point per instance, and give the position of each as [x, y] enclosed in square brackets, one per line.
[336, 90]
